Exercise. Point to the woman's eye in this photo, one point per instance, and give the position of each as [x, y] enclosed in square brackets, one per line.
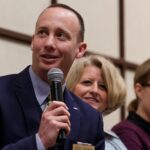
[86, 82]
[103, 87]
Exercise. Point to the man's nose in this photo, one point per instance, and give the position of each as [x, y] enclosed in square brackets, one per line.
[50, 41]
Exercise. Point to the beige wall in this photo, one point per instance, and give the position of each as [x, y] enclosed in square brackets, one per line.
[137, 27]
[101, 20]
[14, 57]
[20, 15]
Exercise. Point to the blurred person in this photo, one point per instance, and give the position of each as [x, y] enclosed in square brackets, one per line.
[98, 82]
[57, 41]
[134, 131]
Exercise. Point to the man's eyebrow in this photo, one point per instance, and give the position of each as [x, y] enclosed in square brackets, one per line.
[42, 27]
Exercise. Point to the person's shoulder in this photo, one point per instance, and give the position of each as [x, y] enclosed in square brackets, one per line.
[85, 109]
[91, 120]
[131, 135]
[6, 80]
[81, 104]
[124, 125]
[128, 129]
[114, 145]
[113, 142]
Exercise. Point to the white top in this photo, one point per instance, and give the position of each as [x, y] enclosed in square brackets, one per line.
[113, 142]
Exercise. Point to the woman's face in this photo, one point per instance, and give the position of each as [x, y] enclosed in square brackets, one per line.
[143, 92]
[91, 88]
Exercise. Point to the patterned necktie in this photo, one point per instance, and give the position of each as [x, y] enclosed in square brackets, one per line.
[46, 102]
[48, 99]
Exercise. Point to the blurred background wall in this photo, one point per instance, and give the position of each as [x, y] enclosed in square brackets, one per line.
[118, 29]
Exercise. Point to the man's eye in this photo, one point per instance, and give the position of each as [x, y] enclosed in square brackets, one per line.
[42, 33]
[62, 36]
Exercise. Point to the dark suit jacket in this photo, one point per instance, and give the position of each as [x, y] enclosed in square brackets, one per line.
[20, 115]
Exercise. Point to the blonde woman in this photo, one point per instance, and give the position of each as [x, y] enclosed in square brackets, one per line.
[98, 82]
[135, 130]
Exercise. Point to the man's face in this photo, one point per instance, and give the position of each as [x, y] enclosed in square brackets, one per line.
[55, 42]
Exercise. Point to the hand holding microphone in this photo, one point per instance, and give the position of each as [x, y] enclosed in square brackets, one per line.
[55, 78]
[55, 122]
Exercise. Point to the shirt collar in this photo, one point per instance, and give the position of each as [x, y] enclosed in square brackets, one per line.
[110, 134]
[41, 88]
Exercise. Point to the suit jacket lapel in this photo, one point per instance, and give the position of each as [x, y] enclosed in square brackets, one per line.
[27, 100]
[75, 116]
[31, 110]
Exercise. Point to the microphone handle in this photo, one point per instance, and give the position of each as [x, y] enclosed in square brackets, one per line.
[62, 136]
[56, 91]
[56, 94]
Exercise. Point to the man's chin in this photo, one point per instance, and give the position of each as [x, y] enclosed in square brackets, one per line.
[47, 68]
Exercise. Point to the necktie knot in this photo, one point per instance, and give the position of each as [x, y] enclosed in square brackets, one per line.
[46, 102]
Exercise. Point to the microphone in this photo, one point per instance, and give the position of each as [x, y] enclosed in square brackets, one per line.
[55, 78]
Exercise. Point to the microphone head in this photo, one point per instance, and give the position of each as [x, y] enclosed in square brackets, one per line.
[55, 74]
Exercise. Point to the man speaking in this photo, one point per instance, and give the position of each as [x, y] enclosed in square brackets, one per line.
[26, 121]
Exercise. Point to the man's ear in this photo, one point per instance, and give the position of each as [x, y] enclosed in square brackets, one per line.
[81, 50]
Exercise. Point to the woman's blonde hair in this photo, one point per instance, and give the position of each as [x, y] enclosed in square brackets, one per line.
[114, 82]
[142, 76]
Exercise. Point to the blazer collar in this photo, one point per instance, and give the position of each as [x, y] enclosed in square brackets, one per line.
[27, 100]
